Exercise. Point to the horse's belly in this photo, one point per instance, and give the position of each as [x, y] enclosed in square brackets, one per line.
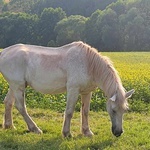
[54, 87]
[49, 83]
[49, 89]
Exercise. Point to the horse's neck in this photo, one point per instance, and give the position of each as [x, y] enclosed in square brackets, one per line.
[108, 78]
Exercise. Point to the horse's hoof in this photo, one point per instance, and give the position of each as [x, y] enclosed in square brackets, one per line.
[88, 133]
[36, 130]
[66, 134]
[12, 127]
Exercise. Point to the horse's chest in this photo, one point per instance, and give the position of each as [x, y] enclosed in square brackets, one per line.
[88, 89]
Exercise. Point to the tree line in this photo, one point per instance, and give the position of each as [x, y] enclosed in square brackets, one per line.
[71, 7]
[121, 26]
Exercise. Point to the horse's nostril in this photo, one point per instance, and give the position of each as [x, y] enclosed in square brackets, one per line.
[117, 133]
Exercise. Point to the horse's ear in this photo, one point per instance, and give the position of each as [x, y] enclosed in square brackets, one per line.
[113, 98]
[129, 93]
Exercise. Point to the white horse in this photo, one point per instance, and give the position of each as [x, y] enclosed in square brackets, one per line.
[76, 68]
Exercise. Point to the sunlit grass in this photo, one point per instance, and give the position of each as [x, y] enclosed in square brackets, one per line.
[136, 135]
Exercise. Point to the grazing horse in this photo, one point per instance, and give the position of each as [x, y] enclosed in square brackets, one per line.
[76, 68]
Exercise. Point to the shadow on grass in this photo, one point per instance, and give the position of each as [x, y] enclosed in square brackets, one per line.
[28, 141]
[98, 145]
[11, 144]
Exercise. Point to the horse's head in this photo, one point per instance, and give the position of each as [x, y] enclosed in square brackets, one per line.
[116, 111]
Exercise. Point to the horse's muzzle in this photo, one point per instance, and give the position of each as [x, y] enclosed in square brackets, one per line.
[117, 133]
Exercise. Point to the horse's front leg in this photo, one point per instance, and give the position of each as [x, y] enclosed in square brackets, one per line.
[72, 96]
[85, 111]
[8, 101]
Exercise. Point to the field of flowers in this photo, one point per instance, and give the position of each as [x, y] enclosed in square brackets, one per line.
[134, 70]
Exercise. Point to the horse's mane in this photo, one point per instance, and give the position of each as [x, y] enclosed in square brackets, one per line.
[102, 70]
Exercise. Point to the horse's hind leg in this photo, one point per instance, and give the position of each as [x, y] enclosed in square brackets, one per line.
[20, 105]
[84, 112]
[8, 101]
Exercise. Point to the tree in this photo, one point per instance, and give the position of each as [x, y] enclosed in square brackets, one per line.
[72, 7]
[136, 34]
[5, 7]
[102, 30]
[92, 32]
[1, 2]
[47, 23]
[111, 37]
[135, 30]
[70, 29]
[17, 28]
[122, 25]
[119, 7]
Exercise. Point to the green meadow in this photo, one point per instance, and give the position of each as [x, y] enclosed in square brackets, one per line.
[47, 112]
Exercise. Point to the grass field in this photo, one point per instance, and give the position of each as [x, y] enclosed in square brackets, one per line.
[47, 112]
[135, 137]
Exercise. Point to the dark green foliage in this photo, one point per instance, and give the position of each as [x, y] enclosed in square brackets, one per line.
[72, 7]
[111, 25]
[70, 29]
[17, 28]
[48, 20]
